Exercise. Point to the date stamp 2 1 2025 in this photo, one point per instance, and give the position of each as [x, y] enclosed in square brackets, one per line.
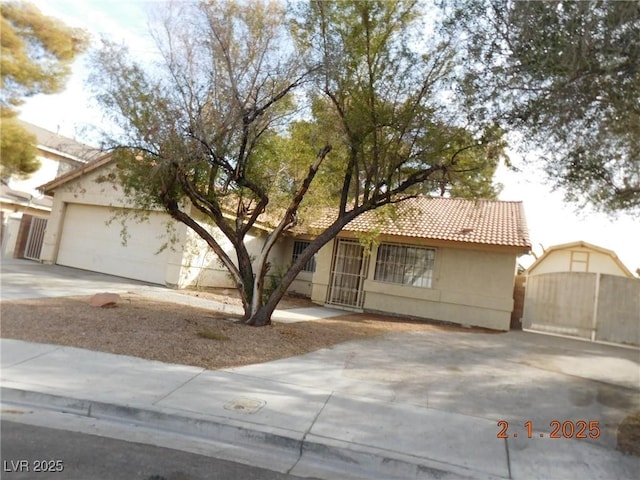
[566, 429]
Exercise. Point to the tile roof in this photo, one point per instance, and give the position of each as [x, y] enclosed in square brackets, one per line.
[490, 222]
[63, 145]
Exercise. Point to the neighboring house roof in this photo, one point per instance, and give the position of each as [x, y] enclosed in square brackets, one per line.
[59, 145]
[16, 197]
[489, 222]
[49, 187]
[18, 191]
[579, 244]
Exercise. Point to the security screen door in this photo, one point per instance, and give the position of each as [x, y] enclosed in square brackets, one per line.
[35, 238]
[348, 274]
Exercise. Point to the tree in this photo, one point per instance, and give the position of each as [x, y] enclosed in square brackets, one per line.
[37, 52]
[564, 74]
[221, 129]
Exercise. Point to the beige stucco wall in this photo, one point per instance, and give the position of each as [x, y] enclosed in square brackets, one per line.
[201, 267]
[87, 191]
[302, 285]
[322, 275]
[469, 287]
[560, 261]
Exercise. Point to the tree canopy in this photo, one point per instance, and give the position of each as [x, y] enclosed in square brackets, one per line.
[257, 113]
[565, 75]
[37, 53]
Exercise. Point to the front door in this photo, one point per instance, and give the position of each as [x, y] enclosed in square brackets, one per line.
[348, 274]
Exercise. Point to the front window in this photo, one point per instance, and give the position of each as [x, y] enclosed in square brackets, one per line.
[404, 264]
[298, 248]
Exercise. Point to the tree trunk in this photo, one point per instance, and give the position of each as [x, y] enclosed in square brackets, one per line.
[246, 274]
[262, 317]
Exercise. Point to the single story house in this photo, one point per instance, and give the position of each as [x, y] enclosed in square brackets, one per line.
[439, 258]
[447, 259]
[578, 257]
[23, 208]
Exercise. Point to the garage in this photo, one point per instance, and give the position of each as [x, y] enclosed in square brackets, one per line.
[87, 242]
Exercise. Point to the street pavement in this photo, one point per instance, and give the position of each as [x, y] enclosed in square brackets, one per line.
[413, 405]
[82, 456]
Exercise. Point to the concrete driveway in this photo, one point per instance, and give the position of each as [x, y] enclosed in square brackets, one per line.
[403, 406]
[28, 279]
[515, 376]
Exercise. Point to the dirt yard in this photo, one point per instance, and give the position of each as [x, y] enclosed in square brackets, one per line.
[156, 330]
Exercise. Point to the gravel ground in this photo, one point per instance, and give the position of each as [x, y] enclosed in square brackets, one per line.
[167, 332]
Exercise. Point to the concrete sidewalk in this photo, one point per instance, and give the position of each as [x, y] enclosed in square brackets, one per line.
[358, 410]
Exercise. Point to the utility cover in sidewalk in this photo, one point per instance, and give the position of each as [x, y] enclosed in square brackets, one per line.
[245, 405]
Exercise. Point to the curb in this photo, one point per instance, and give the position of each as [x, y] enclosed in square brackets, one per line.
[200, 427]
[315, 455]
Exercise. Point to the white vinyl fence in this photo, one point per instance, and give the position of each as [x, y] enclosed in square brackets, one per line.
[594, 306]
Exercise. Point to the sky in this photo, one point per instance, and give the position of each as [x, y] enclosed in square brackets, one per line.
[551, 221]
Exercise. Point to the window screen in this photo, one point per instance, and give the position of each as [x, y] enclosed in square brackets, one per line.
[405, 264]
[298, 248]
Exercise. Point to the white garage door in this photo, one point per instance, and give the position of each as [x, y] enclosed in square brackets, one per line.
[87, 242]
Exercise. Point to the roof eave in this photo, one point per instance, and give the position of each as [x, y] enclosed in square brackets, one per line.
[50, 187]
[580, 244]
[60, 153]
[521, 249]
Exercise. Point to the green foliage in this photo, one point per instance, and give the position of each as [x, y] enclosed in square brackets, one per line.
[246, 121]
[19, 154]
[216, 131]
[37, 52]
[565, 75]
[469, 173]
[388, 106]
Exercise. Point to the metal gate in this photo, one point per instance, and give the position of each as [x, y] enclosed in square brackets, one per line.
[593, 306]
[35, 238]
[348, 274]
